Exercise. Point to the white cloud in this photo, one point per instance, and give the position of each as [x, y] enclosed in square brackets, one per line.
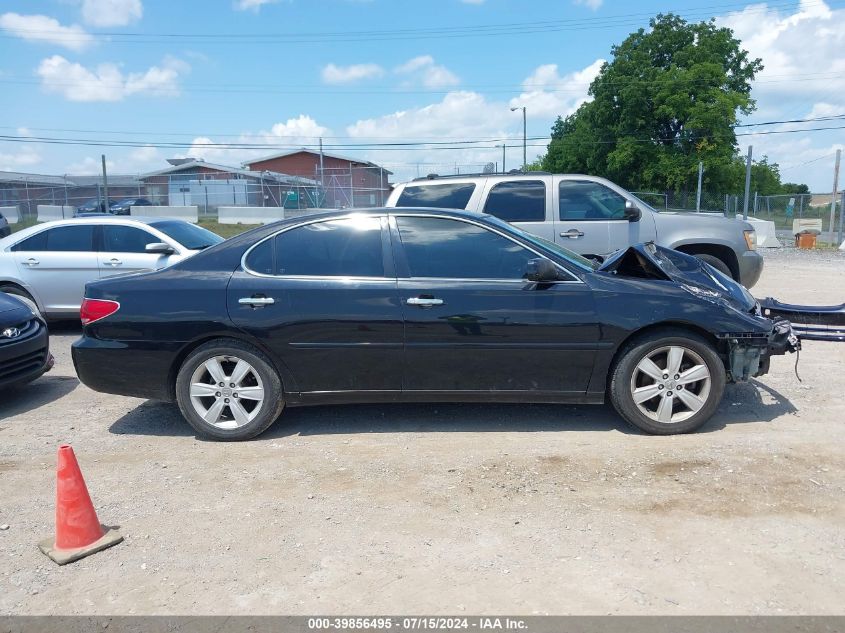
[252, 5]
[423, 70]
[333, 74]
[548, 94]
[107, 82]
[18, 157]
[295, 132]
[42, 28]
[590, 4]
[111, 12]
[803, 52]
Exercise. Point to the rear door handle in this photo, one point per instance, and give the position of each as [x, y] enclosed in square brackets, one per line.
[572, 234]
[31, 262]
[114, 261]
[256, 301]
[424, 302]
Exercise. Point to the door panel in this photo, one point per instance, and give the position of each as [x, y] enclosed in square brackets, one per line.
[56, 264]
[499, 335]
[472, 323]
[329, 331]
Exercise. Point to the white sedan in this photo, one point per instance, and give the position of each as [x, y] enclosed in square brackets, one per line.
[48, 265]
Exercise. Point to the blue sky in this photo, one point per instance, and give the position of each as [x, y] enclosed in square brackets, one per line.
[283, 73]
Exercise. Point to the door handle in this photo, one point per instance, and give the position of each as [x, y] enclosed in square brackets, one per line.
[424, 302]
[31, 262]
[573, 234]
[256, 301]
[114, 261]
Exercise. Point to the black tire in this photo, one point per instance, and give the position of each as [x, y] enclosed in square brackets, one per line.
[24, 295]
[621, 385]
[273, 399]
[717, 263]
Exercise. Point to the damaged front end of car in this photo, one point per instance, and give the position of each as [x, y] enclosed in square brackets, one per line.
[747, 354]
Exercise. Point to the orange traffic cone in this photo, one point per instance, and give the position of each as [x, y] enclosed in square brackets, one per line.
[78, 531]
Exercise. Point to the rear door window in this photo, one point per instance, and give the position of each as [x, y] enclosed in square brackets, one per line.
[62, 239]
[349, 247]
[443, 196]
[518, 201]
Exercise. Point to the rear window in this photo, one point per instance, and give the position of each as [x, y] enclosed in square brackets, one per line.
[444, 196]
[518, 201]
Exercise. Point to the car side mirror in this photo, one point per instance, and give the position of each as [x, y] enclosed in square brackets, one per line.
[160, 248]
[632, 211]
[540, 270]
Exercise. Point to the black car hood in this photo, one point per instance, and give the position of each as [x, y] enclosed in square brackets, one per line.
[649, 261]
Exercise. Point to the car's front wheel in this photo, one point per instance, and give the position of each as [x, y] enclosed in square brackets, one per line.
[229, 390]
[667, 382]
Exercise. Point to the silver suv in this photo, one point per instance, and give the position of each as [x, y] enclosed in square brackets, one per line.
[589, 215]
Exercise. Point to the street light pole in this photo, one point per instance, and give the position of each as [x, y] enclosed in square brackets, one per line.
[524, 136]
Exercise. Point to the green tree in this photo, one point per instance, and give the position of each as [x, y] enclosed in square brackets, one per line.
[669, 98]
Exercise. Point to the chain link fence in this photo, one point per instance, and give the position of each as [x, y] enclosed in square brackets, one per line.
[208, 190]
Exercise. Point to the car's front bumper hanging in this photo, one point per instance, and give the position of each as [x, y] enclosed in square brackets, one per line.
[810, 323]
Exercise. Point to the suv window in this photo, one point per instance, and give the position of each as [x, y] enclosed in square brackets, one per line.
[445, 196]
[60, 239]
[334, 248]
[586, 200]
[444, 248]
[126, 239]
[518, 201]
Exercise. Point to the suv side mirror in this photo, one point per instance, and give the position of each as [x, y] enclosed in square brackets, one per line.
[160, 248]
[541, 269]
[632, 211]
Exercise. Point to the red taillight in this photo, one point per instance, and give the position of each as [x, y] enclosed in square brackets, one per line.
[96, 309]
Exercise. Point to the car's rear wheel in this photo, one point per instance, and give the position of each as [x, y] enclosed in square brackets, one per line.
[667, 382]
[24, 296]
[228, 390]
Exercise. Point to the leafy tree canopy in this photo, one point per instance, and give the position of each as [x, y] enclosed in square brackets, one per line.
[669, 98]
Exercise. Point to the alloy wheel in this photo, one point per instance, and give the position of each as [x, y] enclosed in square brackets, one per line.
[671, 384]
[226, 392]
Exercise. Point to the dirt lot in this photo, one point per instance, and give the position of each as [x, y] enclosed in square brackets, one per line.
[445, 508]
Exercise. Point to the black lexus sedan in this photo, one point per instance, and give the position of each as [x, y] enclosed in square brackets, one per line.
[422, 305]
[24, 344]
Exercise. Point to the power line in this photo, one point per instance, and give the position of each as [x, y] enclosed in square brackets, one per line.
[403, 146]
[481, 30]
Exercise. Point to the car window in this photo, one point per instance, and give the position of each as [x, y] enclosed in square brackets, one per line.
[518, 201]
[335, 248]
[78, 238]
[126, 239]
[260, 258]
[187, 234]
[587, 200]
[445, 196]
[445, 248]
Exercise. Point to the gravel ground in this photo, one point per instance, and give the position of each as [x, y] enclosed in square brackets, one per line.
[520, 509]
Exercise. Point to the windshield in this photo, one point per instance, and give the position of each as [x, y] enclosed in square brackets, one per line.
[573, 258]
[188, 235]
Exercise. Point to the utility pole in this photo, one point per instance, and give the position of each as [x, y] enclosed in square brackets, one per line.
[747, 183]
[503, 146]
[524, 136]
[105, 185]
[833, 197]
[698, 194]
